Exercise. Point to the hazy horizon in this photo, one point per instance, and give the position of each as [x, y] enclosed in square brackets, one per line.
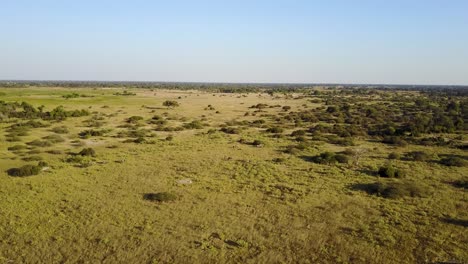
[305, 42]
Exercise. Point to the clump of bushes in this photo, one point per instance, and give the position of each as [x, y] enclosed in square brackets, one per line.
[93, 133]
[298, 133]
[26, 170]
[395, 190]
[394, 155]
[157, 120]
[196, 124]
[54, 138]
[394, 140]
[330, 158]
[461, 183]
[257, 143]
[40, 143]
[88, 152]
[275, 130]
[417, 156]
[390, 172]
[125, 93]
[17, 147]
[134, 119]
[32, 158]
[60, 130]
[160, 197]
[170, 104]
[231, 130]
[454, 161]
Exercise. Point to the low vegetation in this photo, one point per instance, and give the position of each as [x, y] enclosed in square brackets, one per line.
[218, 173]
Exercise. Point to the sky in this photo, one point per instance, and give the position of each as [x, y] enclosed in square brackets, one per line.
[285, 41]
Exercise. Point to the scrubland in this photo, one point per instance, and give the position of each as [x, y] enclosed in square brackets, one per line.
[325, 175]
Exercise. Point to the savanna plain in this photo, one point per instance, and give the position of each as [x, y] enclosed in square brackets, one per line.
[316, 175]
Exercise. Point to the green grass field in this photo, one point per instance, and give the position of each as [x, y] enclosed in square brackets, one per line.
[236, 202]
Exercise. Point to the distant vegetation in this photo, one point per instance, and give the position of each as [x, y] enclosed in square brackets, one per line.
[241, 173]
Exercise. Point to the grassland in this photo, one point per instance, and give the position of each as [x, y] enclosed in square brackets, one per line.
[242, 190]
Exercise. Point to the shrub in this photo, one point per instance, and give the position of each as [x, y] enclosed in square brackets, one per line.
[394, 155]
[390, 172]
[300, 139]
[93, 133]
[341, 158]
[230, 130]
[160, 197]
[170, 104]
[461, 183]
[258, 143]
[17, 147]
[193, 125]
[87, 152]
[418, 156]
[60, 130]
[134, 119]
[33, 158]
[54, 138]
[298, 133]
[42, 164]
[74, 159]
[258, 122]
[394, 141]
[276, 130]
[140, 140]
[40, 143]
[395, 190]
[346, 141]
[293, 150]
[13, 138]
[24, 171]
[454, 161]
[55, 152]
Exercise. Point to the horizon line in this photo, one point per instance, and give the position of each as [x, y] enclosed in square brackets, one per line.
[234, 83]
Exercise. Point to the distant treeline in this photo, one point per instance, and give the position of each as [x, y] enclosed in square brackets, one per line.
[450, 90]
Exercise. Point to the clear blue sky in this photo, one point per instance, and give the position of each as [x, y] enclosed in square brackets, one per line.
[348, 41]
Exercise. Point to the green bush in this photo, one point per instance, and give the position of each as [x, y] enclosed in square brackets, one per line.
[93, 133]
[17, 147]
[60, 130]
[390, 172]
[24, 171]
[341, 158]
[461, 183]
[134, 119]
[330, 158]
[32, 158]
[170, 104]
[395, 190]
[454, 161]
[194, 125]
[40, 143]
[258, 143]
[90, 152]
[276, 130]
[160, 197]
[293, 150]
[298, 133]
[54, 138]
[418, 156]
[231, 130]
[394, 140]
[394, 155]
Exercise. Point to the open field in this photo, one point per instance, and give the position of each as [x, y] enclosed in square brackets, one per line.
[322, 176]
